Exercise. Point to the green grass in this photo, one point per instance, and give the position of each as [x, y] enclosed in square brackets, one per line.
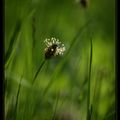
[80, 85]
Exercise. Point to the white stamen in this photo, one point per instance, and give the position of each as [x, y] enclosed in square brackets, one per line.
[60, 47]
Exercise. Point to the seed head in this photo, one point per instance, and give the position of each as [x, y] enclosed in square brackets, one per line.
[53, 48]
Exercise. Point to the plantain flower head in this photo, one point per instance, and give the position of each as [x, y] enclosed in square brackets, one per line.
[53, 48]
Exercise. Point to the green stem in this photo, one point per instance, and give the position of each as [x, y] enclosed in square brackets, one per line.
[38, 71]
[88, 97]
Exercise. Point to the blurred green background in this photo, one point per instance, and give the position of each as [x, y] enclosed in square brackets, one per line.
[61, 88]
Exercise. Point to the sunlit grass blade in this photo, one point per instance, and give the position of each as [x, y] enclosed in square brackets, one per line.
[89, 77]
[12, 41]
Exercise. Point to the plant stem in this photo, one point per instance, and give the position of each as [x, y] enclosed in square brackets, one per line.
[38, 71]
[88, 97]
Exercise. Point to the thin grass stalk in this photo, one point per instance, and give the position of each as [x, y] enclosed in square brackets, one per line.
[16, 104]
[78, 34]
[36, 74]
[89, 77]
[94, 101]
[54, 112]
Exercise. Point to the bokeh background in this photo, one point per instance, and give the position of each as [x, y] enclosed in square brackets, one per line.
[60, 91]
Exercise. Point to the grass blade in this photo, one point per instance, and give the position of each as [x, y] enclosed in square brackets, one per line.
[12, 41]
[89, 77]
[16, 104]
[78, 34]
[54, 113]
[38, 71]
